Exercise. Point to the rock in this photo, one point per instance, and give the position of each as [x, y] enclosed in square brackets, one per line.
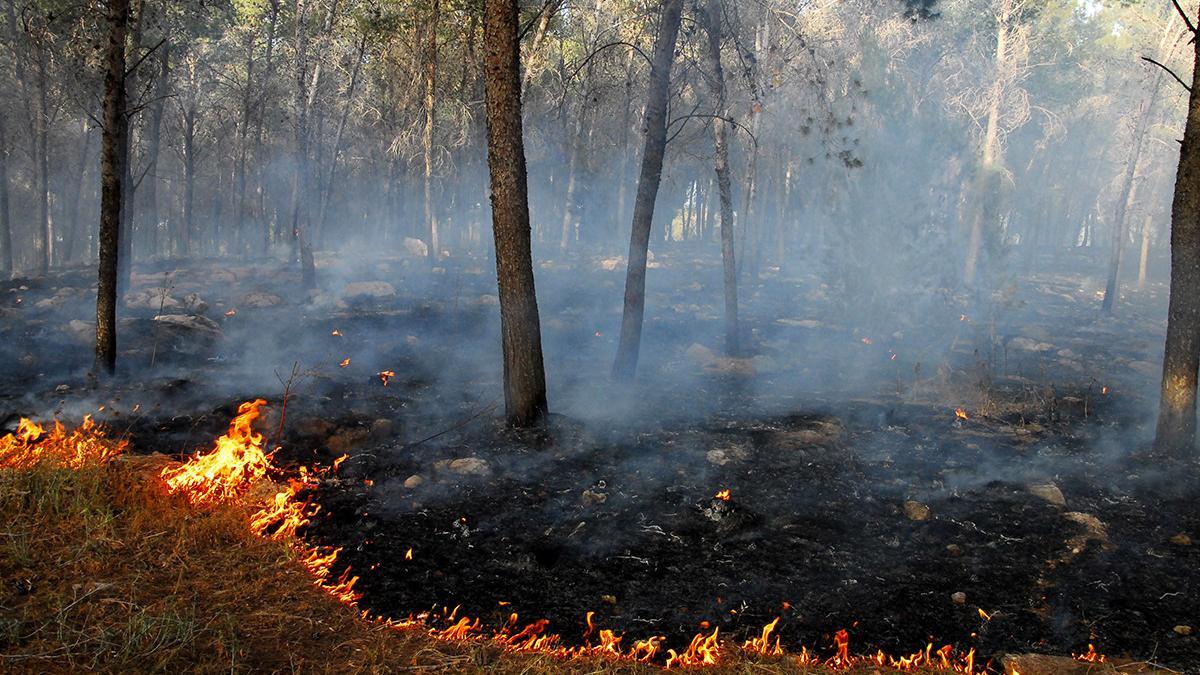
[82, 331]
[1183, 629]
[470, 466]
[381, 428]
[954, 550]
[1048, 492]
[413, 482]
[151, 298]
[1094, 530]
[1025, 344]
[189, 333]
[723, 456]
[345, 439]
[193, 303]
[259, 299]
[799, 323]
[917, 511]
[368, 289]
[959, 598]
[1181, 539]
[592, 496]
[416, 248]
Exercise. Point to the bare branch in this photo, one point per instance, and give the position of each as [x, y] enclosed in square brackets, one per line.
[1186, 19]
[1169, 72]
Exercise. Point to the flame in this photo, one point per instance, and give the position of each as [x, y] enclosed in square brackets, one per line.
[961, 414]
[703, 651]
[762, 644]
[1104, 390]
[1091, 656]
[408, 554]
[235, 463]
[866, 341]
[344, 362]
[232, 312]
[984, 615]
[31, 445]
[723, 495]
[385, 375]
[336, 333]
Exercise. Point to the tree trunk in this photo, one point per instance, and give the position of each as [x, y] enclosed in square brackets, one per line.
[1176, 433]
[524, 376]
[6, 252]
[327, 191]
[244, 142]
[188, 234]
[300, 182]
[711, 18]
[655, 121]
[72, 210]
[539, 36]
[154, 145]
[269, 70]
[111, 173]
[431, 57]
[1144, 256]
[42, 160]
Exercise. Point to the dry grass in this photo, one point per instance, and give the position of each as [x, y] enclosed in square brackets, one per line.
[102, 571]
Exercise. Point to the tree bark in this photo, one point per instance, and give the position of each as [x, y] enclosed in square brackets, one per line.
[524, 375]
[431, 67]
[111, 174]
[1176, 432]
[711, 18]
[625, 364]
[6, 252]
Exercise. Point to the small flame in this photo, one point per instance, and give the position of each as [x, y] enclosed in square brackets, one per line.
[385, 375]
[723, 495]
[408, 554]
[763, 644]
[336, 333]
[703, 651]
[344, 362]
[232, 312]
[866, 341]
[1090, 656]
[984, 615]
[1104, 390]
[961, 414]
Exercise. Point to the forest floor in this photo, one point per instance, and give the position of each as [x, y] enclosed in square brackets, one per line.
[859, 498]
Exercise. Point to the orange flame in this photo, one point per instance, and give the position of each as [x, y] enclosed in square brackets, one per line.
[344, 362]
[234, 464]
[961, 414]
[232, 312]
[336, 333]
[1091, 656]
[762, 644]
[31, 445]
[723, 495]
[385, 375]
[703, 651]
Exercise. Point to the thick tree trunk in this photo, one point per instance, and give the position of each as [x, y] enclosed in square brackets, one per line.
[655, 123]
[6, 252]
[111, 173]
[1176, 433]
[431, 67]
[524, 376]
[300, 178]
[711, 18]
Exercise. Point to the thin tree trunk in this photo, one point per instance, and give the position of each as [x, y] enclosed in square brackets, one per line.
[431, 59]
[111, 173]
[269, 71]
[711, 18]
[42, 160]
[72, 210]
[1176, 432]
[539, 36]
[244, 140]
[524, 374]
[154, 145]
[625, 364]
[1144, 256]
[6, 252]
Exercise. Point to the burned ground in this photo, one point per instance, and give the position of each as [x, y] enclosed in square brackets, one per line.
[859, 499]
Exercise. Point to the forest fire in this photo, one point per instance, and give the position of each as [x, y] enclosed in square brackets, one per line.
[234, 464]
[31, 445]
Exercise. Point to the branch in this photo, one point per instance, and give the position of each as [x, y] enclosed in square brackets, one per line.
[1183, 15]
[728, 120]
[144, 57]
[1169, 72]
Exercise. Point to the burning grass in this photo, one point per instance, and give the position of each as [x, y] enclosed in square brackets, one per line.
[102, 572]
